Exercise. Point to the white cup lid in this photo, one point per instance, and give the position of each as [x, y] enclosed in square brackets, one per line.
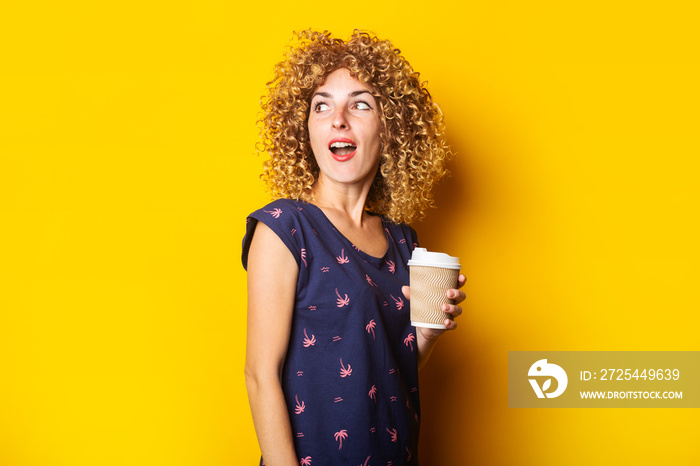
[425, 258]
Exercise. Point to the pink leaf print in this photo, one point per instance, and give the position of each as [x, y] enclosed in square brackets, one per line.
[309, 341]
[342, 259]
[305, 461]
[303, 256]
[394, 434]
[409, 454]
[300, 407]
[399, 302]
[343, 371]
[339, 436]
[366, 463]
[389, 234]
[369, 280]
[392, 266]
[274, 212]
[408, 341]
[370, 328]
[373, 393]
[342, 301]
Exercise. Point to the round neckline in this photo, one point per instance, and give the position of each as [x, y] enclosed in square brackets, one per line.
[375, 259]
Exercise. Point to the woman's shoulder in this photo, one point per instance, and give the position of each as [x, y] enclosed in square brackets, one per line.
[281, 215]
[279, 206]
[284, 218]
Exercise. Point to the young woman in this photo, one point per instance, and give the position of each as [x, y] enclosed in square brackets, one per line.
[356, 145]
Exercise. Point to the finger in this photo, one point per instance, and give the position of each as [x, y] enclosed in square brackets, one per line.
[462, 280]
[457, 295]
[406, 290]
[450, 324]
[452, 309]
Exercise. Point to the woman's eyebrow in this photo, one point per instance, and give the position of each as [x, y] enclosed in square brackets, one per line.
[329, 96]
[356, 93]
[322, 94]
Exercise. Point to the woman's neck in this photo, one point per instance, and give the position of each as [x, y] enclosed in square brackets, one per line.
[344, 207]
[348, 201]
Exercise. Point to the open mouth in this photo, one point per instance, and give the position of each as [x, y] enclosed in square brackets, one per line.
[342, 148]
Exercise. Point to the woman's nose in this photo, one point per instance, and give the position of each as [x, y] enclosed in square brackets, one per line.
[339, 119]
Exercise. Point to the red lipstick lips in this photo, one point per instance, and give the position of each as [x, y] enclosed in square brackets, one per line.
[342, 149]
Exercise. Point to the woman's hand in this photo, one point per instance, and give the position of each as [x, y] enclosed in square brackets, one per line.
[428, 336]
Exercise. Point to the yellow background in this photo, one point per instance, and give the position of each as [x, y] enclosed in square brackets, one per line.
[127, 169]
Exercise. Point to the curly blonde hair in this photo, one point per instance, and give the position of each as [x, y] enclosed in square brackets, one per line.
[414, 149]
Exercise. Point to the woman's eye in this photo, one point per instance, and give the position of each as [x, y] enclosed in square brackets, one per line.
[320, 107]
[362, 105]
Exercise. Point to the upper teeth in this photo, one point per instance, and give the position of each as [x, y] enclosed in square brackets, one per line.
[342, 144]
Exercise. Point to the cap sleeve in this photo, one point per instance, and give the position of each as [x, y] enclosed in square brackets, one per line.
[282, 218]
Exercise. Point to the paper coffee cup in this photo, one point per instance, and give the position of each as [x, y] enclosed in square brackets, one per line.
[432, 274]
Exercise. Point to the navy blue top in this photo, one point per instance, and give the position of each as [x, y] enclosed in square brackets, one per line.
[350, 377]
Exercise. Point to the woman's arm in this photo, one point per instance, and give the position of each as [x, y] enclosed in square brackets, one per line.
[427, 337]
[272, 279]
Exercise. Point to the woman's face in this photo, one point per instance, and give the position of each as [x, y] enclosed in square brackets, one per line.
[344, 129]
